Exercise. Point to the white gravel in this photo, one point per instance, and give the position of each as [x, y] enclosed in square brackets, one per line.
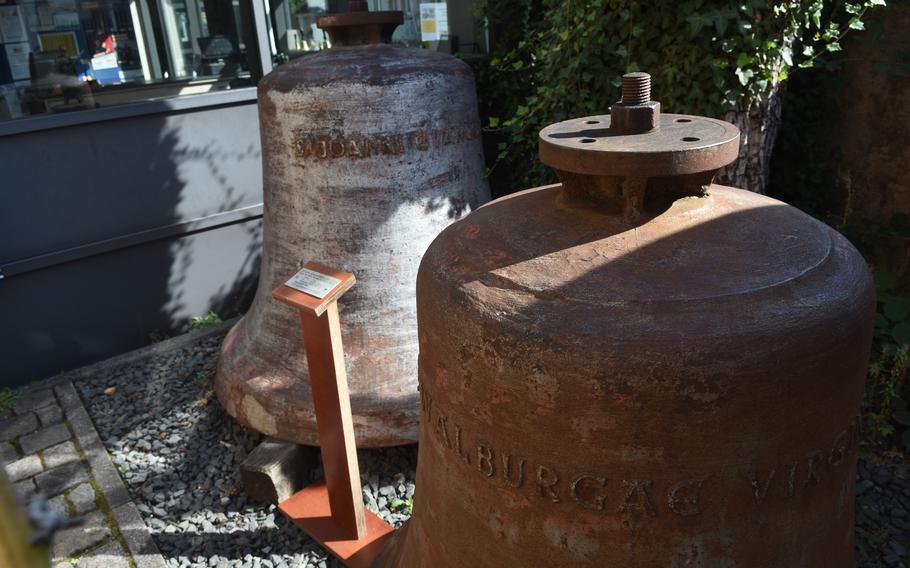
[179, 454]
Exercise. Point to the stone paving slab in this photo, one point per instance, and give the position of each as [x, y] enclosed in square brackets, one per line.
[60, 454]
[57, 480]
[50, 447]
[111, 555]
[70, 542]
[51, 436]
[15, 426]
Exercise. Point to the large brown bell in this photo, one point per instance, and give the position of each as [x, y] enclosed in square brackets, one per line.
[636, 367]
[368, 151]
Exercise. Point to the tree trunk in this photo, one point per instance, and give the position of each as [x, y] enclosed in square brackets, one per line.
[757, 120]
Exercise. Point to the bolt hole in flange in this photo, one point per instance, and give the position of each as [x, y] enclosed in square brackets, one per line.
[592, 122]
[690, 139]
[683, 120]
[587, 140]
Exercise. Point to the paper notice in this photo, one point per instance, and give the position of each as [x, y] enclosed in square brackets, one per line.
[434, 21]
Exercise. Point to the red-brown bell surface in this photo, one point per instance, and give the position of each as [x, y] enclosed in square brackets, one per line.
[678, 391]
[368, 152]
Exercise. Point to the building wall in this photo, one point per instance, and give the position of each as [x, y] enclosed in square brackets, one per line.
[116, 232]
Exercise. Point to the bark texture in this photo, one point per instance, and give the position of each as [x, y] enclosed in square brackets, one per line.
[758, 121]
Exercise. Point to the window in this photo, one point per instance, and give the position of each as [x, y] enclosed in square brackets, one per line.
[66, 55]
[296, 32]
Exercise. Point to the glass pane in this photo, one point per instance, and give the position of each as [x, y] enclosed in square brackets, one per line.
[66, 55]
[296, 33]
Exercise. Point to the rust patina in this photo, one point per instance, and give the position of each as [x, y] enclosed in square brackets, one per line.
[636, 367]
[369, 150]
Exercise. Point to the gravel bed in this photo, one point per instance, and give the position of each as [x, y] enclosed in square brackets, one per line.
[179, 454]
[882, 506]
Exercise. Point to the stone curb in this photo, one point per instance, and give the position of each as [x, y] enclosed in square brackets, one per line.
[130, 357]
[135, 534]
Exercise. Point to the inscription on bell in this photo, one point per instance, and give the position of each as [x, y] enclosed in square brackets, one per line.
[631, 498]
[319, 146]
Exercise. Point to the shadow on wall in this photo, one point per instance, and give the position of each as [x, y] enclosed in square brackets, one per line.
[230, 266]
[116, 233]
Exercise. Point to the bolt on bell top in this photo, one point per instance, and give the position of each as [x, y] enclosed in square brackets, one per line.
[638, 367]
[369, 150]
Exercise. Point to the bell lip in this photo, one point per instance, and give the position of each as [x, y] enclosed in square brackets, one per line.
[634, 155]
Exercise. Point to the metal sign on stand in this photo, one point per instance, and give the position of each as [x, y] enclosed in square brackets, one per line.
[331, 511]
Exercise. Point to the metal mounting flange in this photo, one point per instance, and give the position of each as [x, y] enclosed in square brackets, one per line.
[681, 144]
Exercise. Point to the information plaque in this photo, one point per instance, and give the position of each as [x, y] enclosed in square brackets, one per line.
[313, 283]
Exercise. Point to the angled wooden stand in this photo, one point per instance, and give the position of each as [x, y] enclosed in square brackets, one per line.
[331, 511]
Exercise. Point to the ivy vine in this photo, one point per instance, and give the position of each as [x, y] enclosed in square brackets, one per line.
[555, 59]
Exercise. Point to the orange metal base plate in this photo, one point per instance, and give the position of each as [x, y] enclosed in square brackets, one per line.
[309, 509]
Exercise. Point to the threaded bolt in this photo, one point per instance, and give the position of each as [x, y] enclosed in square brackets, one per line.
[636, 88]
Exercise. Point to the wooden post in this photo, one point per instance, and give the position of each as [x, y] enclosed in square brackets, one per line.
[331, 512]
[322, 336]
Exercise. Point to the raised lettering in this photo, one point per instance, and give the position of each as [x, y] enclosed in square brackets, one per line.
[373, 145]
[584, 490]
[421, 140]
[839, 451]
[336, 148]
[760, 491]
[637, 497]
[812, 462]
[441, 430]
[393, 144]
[682, 498]
[485, 460]
[464, 455]
[507, 471]
[791, 479]
[547, 478]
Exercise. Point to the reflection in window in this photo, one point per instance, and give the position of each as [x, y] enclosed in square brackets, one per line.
[296, 33]
[66, 55]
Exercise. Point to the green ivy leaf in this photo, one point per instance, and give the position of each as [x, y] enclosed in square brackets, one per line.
[744, 75]
[787, 55]
[494, 122]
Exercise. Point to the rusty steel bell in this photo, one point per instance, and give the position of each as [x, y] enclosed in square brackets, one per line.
[636, 367]
[369, 150]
